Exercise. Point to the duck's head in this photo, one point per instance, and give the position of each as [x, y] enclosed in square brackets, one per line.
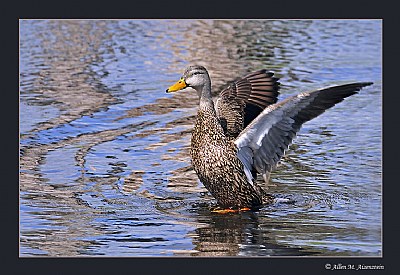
[194, 76]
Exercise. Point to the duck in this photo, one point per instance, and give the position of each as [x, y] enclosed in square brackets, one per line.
[245, 131]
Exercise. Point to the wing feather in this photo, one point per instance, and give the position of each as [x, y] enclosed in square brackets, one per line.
[264, 141]
[245, 99]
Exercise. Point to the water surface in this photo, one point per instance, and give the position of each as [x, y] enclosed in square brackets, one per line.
[104, 160]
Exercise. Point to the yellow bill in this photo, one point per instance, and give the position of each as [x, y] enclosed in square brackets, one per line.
[181, 84]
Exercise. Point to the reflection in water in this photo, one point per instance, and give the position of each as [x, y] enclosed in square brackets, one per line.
[237, 235]
[104, 162]
[132, 182]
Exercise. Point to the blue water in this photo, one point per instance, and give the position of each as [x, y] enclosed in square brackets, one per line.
[105, 166]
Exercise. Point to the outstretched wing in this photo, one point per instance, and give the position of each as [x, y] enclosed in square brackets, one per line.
[264, 141]
[245, 99]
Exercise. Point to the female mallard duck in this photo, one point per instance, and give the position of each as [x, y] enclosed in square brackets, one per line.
[244, 133]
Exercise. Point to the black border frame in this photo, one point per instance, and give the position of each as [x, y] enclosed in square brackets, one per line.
[197, 9]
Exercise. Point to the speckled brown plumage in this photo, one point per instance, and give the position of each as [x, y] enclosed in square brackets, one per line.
[221, 173]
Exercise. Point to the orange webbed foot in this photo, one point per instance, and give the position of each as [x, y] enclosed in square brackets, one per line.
[229, 210]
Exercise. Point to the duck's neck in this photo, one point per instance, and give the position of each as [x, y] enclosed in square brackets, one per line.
[206, 102]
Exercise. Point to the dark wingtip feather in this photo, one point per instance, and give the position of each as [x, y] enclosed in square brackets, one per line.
[328, 97]
[366, 83]
[356, 86]
[361, 84]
